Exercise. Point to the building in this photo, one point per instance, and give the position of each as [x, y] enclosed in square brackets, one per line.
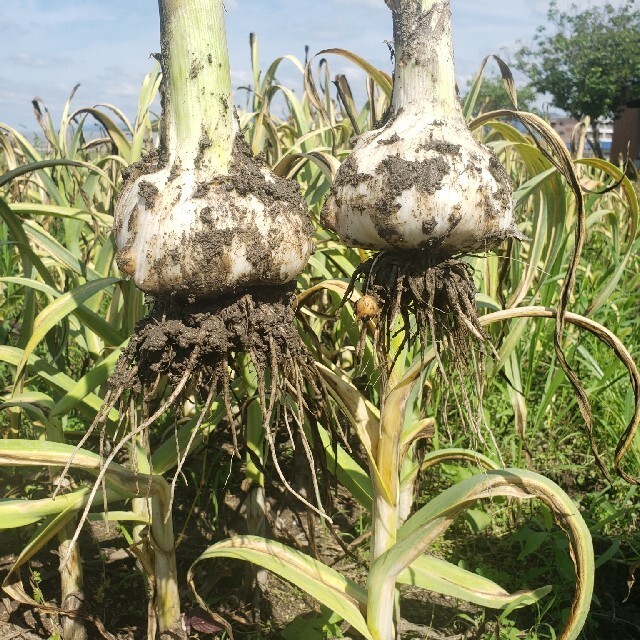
[565, 125]
[626, 134]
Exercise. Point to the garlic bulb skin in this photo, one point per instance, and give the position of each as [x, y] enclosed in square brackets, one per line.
[195, 235]
[421, 180]
[416, 184]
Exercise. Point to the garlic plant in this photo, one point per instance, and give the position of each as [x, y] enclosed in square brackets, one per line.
[203, 217]
[208, 229]
[420, 189]
[217, 239]
[420, 181]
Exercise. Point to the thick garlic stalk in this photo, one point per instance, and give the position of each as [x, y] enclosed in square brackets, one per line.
[421, 180]
[203, 217]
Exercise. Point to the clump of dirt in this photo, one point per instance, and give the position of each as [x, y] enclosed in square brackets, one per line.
[440, 295]
[200, 338]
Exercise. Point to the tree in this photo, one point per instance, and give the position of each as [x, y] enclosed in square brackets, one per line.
[493, 96]
[590, 64]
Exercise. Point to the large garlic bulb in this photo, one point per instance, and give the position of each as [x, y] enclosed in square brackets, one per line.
[421, 180]
[204, 217]
[204, 234]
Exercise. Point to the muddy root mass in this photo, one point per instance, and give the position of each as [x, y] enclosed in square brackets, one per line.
[440, 295]
[417, 295]
[203, 337]
[181, 349]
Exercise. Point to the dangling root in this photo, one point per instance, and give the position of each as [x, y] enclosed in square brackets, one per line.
[192, 348]
[418, 295]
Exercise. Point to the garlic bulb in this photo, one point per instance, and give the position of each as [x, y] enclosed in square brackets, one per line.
[420, 180]
[204, 217]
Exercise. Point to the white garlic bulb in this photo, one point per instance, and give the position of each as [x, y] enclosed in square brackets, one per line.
[203, 217]
[204, 235]
[421, 180]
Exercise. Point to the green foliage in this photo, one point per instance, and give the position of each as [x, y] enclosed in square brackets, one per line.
[492, 96]
[588, 60]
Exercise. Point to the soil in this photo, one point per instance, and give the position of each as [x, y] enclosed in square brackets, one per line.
[179, 350]
[397, 175]
[257, 321]
[190, 347]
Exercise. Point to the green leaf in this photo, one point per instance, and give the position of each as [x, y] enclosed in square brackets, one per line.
[89, 318]
[7, 177]
[12, 583]
[95, 377]
[452, 454]
[334, 591]
[532, 540]
[20, 513]
[36, 398]
[58, 252]
[479, 520]
[314, 627]
[89, 405]
[129, 483]
[608, 554]
[632, 219]
[348, 472]
[448, 579]
[382, 79]
[113, 130]
[65, 213]
[118, 516]
[56, 311]
[421, 530]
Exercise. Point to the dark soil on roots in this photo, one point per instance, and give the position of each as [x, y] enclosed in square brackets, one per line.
[421, 297]
[191, 348]
[176, 337]
[432, 298]
[180, 350]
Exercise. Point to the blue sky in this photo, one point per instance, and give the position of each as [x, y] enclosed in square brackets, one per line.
[48, 46]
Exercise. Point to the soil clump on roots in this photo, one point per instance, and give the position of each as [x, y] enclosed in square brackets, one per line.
[200, 339]
[438, 294]
[182, 350]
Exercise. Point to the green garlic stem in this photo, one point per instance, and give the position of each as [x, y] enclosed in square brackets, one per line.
[199, 121]
[424, 76]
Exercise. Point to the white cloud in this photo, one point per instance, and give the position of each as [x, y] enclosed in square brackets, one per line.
[373, 4]
[38, 61]
[241, 78]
